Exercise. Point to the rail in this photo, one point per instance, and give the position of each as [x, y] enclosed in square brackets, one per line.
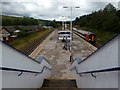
[28, 71]
[28, 50]
[96, 71]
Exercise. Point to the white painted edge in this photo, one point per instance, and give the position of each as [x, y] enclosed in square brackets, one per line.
[36, 52]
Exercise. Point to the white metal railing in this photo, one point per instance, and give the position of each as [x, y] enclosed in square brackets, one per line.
[102, 65]
[20, 71]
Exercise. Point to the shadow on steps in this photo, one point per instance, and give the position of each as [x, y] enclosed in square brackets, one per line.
[59, 84]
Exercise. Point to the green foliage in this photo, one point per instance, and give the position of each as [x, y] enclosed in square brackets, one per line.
[22, 34]
[27, 40]
[27, 21]
[102, 36]
[10, 21]
[107, 20]
[54, 24]
[109, 8]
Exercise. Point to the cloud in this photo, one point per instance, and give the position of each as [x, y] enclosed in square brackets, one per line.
[51, 9]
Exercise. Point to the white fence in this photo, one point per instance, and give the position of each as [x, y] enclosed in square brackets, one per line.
[15, 60]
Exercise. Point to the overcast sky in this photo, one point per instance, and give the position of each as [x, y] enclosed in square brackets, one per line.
[52, 9]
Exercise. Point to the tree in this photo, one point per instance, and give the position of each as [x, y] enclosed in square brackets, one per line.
[107, 19]
[109, 8]
[9, 21]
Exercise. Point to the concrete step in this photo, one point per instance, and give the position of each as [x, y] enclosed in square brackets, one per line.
[59, 88]
[59, 83]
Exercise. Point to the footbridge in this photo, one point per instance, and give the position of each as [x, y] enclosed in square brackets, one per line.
[49, 65]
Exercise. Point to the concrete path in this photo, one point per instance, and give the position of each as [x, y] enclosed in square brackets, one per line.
[81, 48]
[59, 58]
[36, 52]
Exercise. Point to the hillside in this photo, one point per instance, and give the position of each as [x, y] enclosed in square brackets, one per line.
[105, 23]
[107, 19]
[26, 21]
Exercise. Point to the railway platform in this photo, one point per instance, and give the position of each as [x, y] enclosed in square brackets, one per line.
[59, 58]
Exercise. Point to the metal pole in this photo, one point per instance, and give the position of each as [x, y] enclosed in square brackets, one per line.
[62, 22]
[71, 23]
[71, 20]
[70, 48]
[62, 25]
[65, 26]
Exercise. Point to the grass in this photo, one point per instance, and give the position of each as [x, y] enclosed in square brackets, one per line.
[23, 42]
[101, 37]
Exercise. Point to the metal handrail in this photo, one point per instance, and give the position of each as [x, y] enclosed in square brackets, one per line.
[20, 70]
[23, 53]
[117, 35]
[96, 71]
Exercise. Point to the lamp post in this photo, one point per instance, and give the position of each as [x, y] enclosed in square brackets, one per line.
[71, 8]
[62, 24]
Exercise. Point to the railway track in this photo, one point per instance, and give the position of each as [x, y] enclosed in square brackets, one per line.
[36, 51]
[28, 50]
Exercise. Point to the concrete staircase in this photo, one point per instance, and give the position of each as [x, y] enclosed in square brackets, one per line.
[59, 84]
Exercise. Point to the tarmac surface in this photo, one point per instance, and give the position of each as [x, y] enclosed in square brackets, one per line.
[59, 58]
